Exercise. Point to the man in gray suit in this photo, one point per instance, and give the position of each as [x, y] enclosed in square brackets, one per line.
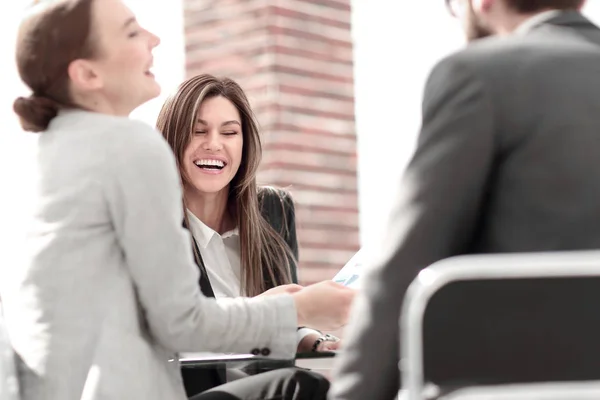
[508, 160]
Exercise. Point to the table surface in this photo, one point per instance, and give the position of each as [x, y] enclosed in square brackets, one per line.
[313, 361]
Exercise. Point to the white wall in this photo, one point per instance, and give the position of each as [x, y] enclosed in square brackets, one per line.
[592, 10]
[15, 162]
[163, 17]
[396, 44]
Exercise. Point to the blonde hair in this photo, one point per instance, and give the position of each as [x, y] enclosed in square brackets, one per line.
[265, 257]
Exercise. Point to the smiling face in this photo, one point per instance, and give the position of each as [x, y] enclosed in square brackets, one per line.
[212, 158]
[121, 72]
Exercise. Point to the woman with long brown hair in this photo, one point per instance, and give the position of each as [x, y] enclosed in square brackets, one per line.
[105, 294]
[244, 235]
[210, 126]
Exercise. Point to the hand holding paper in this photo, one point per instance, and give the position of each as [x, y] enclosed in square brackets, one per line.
[350, 274]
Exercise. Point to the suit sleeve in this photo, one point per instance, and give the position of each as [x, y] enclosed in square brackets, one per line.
[434, 215]
[144, 197]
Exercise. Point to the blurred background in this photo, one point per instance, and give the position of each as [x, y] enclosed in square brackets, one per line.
[336, 85]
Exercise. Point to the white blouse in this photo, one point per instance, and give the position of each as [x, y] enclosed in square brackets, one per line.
[221, 256]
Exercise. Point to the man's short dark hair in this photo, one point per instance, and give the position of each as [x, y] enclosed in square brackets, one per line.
[529, 6]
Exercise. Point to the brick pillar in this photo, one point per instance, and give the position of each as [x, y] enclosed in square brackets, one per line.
[294, 60]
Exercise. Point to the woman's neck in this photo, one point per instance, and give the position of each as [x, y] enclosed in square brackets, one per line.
[210, 208]
[100, 104]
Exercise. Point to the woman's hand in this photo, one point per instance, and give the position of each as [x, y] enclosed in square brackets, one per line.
[324, 305]
[281, 289]
[329, 345]
[308, 341]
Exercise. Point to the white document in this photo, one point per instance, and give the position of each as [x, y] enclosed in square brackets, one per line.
[350, 274]
[212, 356]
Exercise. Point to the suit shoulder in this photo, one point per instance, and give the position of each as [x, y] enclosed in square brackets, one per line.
[275, 202]
[125, 130]
[136, 143]
[272, 194]
[505, 54]
[475, 55]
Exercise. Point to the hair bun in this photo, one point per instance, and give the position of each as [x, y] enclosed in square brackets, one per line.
[35, 112]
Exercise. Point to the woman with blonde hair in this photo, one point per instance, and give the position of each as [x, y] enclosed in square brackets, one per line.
[244, 235]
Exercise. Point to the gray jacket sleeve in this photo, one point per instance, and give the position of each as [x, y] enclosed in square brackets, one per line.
[144, 197]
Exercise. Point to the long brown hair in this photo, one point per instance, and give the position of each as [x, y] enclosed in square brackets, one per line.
[265, 257]
[49, 39]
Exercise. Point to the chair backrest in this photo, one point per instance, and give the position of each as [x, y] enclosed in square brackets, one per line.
[9, 384]
[497, 319]
[537, 391]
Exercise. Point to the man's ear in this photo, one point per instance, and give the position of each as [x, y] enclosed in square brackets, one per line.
[84, 76]
[482, 5]
[486, 5]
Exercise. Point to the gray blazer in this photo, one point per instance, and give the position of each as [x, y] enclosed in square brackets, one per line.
[508, 160]
[9, 383]
[106, 292]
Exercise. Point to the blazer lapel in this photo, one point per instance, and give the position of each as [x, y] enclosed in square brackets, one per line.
[205, 285]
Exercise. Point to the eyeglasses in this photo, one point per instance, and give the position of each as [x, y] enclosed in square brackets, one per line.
[453, 7]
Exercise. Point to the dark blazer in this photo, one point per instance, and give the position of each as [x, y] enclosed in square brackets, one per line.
[277, 207]
[507, 160]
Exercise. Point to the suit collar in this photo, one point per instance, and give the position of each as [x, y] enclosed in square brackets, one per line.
[536, 20]
[565, 18]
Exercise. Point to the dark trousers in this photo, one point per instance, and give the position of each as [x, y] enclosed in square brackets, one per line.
[280, 384]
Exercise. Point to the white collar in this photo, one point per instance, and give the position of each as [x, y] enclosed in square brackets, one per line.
[203, 233]
[537, 19]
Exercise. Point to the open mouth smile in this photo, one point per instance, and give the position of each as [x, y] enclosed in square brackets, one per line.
[210, 165]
